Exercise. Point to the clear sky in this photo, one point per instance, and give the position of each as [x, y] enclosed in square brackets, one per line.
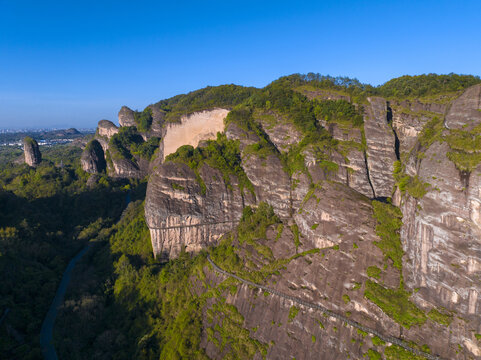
[72, 63]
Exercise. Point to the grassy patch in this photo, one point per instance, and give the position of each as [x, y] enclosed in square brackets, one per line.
[177, 186]
[412, 184]
[439, 317]
[376, 341]
[389, 222]
[395, 352]
[374, 272]
[373, 355]
[293, 311]
[346, 298]
[395, 303]
[221, 154]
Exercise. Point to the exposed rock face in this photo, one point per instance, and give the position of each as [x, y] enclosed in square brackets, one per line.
[179, 215]
[126, 117]
[33, 157]
[93, 158]
[441, 237]
[281, 133]
[193, 128]
[107, 128]
[380, 147]
[329, 208]
[464, 112]
[357, 176]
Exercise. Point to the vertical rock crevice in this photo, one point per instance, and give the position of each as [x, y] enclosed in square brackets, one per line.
[396, 138]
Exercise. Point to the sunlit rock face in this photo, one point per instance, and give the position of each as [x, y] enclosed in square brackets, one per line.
[380, 151]
[126, 117]
[464, 112]
[107, 128]
[93, 158]
[32, 154]
[180, 216]
[192, 129]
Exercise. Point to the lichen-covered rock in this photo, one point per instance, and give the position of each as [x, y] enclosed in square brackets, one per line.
[33, 156]
[281, 132]
[381, 153]
[465, 111]
[356, 176]
[93, 158]
[441, 235]
[107, 128]
[126, 117]
[180, 215]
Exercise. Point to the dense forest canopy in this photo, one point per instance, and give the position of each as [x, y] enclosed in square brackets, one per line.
[228, 96]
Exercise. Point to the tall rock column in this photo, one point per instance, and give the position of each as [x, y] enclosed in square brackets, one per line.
[381, 153]
[33, 156]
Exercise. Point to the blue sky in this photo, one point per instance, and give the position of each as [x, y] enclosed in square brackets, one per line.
[72, 63]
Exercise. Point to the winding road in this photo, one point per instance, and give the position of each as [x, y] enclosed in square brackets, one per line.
[46, 332]
[328, 312]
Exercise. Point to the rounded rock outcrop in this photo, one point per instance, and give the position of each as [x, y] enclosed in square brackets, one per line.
[93, 158]
[126, 117]
[107, 128]
[33, 156]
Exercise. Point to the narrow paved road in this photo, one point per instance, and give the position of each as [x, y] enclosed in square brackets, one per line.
[328, 312]
[46, 332]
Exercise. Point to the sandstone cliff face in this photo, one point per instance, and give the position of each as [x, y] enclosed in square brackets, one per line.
[441, 231]
[180, 216]
[192, 129]
[464, 112]
[32, 154]
[107, 128]
[329, 208]
[380, 147]
[126, 117]
[93, 158]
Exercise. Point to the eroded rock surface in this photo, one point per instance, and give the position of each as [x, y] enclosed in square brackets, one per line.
[93, 158]
[193, 128]
[107, 128]
[33, 156]
[126, 117]
[464, 112]
[380, 147]
[180, 215]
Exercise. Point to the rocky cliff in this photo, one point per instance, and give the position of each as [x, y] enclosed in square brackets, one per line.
[365, 203]
[32, 154]
[412, 273]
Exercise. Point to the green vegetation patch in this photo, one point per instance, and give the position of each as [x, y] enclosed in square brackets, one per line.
[128, 142]
[439, 317]
[465, 148]
[395, 303]
[225, 96]
[413, 185]
[374, 272]
[376, 341]
[428, 84]
[143, 119]
[235, 341]
[250, 231]
[389, 222]
[395, 352]
[221, 154]
[341, 112]
[293, 311]
[373, 355]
